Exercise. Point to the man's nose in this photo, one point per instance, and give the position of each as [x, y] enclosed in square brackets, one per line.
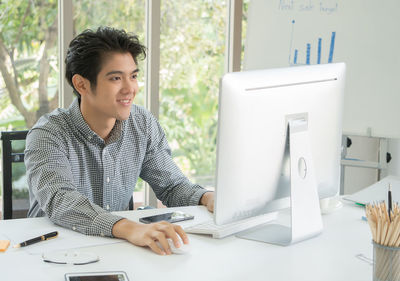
[129, 86]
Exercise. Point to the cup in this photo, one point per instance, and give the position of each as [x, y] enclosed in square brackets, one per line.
[386, 263]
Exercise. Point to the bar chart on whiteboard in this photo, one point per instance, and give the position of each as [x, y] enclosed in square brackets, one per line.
[320, 56]
[282, 33]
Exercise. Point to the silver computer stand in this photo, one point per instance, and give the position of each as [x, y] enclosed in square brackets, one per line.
[305, 212]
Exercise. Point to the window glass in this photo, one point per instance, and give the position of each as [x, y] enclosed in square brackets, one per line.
[124, 14]
[28, 68]
[192, 45]
[244, 28]
[28, 62]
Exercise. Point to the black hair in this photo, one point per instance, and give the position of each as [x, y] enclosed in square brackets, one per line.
[88, 50]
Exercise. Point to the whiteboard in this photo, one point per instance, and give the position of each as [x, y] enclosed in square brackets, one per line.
[365, 34]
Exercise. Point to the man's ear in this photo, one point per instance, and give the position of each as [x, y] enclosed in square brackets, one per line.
[81, 84]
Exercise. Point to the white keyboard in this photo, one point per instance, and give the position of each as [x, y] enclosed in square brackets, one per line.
[221, 231]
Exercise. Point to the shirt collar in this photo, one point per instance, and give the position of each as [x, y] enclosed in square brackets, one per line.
[81, 125]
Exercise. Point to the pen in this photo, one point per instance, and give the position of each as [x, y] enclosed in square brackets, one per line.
[390, 200]
[44, 237]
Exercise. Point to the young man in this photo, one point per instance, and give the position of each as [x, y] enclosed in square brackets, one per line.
[83, 162]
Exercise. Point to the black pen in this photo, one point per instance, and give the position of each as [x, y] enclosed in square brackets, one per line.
[44, 237]
[390, 200]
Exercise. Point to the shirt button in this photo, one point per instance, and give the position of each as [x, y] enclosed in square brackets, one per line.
[89, 137]
[108, 179]
[108, 207]
[73, 228]
[102, 234]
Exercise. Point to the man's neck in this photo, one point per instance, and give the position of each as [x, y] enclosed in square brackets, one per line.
[99, 124]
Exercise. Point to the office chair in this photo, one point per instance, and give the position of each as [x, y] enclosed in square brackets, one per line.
[10, 156]
[13, 146]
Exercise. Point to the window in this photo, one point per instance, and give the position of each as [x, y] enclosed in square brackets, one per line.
[192, 49]
[28, 68]
[28, 62]
[244, 28]
[192, 57]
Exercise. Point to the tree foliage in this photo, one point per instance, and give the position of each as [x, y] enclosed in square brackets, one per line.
[192, 62]
[28, 61]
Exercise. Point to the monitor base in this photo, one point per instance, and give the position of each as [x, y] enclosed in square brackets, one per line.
[306, 221]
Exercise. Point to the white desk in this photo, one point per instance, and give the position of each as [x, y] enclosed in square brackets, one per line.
[330, 256]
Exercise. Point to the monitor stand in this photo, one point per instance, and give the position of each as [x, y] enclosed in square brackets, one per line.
[305, 212]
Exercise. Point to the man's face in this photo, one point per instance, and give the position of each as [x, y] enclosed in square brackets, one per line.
[116, 87]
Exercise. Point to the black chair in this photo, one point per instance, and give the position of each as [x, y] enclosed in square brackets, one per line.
[15, 201]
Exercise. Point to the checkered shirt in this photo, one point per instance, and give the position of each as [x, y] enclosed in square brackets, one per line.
[76, 178]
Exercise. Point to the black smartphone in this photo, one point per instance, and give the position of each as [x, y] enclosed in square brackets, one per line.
[169, 217]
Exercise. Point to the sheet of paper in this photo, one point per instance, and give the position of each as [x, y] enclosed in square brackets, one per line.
[377, 192]
[66, 240]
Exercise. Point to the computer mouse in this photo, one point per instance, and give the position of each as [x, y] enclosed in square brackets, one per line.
[182, 250]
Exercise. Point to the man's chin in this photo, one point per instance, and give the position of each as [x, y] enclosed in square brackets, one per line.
[122, 118]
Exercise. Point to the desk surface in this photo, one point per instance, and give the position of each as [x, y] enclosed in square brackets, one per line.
[329, 256]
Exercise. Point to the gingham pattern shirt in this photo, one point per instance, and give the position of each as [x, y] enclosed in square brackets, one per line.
[76, 178]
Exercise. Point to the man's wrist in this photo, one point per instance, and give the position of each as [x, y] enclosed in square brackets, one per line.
[122, 228]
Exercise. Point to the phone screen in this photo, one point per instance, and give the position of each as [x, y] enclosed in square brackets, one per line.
[116, 277]
[169, 217]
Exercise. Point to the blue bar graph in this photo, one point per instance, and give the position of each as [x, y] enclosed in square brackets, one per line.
[319, 51]
[308, 53]
[332, 47]
[297, 53]
[291, 43]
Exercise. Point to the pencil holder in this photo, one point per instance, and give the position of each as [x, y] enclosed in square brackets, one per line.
[386, 263]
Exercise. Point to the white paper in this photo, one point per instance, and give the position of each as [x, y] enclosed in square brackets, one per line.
[66, 240]
[377, 192]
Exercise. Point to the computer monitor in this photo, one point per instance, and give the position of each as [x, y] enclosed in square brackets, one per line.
[255, 108]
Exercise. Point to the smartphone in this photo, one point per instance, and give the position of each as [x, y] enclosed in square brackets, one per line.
[97, 276]
[169, 217]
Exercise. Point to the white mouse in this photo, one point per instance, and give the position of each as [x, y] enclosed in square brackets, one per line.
[183, 249]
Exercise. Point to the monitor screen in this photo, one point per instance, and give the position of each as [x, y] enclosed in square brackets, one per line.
[252, 175]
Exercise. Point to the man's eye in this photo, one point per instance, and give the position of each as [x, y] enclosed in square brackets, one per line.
[134, 76]
[115, 78]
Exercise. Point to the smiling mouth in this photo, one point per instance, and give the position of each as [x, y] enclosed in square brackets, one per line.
[125, 101]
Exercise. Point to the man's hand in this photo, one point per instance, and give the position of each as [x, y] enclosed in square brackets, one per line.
[208, 200]
[148, 234]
